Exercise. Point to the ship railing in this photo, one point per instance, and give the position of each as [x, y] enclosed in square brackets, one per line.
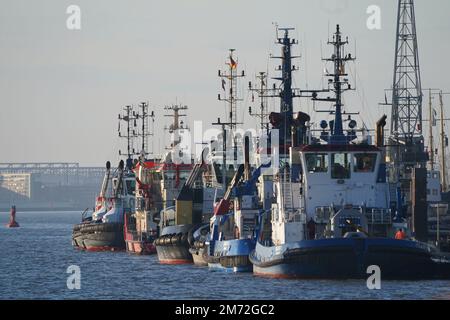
[323, 214]
[295, 216]
[379, 216]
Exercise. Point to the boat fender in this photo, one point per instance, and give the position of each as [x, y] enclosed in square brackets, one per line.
[167, 240]
[86, 229]
[174, 240]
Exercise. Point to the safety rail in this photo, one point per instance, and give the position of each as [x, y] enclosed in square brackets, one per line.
[379, 216]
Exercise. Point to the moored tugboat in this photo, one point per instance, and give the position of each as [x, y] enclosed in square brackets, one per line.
[102, 205]
[104, 229]
[141, 226]
[107, 234]
[172, 245]
[332, 216]
[233, 234]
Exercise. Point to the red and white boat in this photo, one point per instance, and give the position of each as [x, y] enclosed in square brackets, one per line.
[141, 226]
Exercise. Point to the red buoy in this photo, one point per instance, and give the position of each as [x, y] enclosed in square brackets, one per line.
[12, 219]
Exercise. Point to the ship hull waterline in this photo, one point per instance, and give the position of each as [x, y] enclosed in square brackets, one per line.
[140, 247]
[99, 237]
[231, 255]
[349, 259]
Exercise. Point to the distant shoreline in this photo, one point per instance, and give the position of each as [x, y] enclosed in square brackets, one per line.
[44, 209]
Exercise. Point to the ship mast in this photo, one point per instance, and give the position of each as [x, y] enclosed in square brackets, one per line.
[263, 116]
[338, 84]
[232, 76]
[444, 143]
[443, 137]
[177, 124]
[291, 130]
[431, 124]
[287, 92]
[130, 121]
[232, 99]
[144, 115]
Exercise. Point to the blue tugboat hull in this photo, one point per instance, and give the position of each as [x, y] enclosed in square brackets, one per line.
[349, 258]
[231, 255]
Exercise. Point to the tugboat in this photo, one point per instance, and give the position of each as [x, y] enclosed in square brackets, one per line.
[177, 220]
[141, 227]
[233, 235]
[332, 216]
[77, 235]
[102, 205]
[107, 234]
[190, 202]
[12, 219]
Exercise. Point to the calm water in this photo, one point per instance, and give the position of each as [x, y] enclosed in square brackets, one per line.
[34, 259]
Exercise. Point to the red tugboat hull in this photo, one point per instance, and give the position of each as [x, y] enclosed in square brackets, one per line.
[103, 248]
[140, 247]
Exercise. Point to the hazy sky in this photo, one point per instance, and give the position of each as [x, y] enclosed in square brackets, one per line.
[61, 90]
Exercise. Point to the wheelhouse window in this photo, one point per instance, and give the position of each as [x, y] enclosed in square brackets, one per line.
[184, 175]
[317, 162]
[364, 162]
[340, 166]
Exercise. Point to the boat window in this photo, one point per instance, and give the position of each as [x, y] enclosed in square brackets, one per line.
[157, 176]
[184, 175]
[169, 176]
[340, 166]
[364, 162]
[317, 162]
